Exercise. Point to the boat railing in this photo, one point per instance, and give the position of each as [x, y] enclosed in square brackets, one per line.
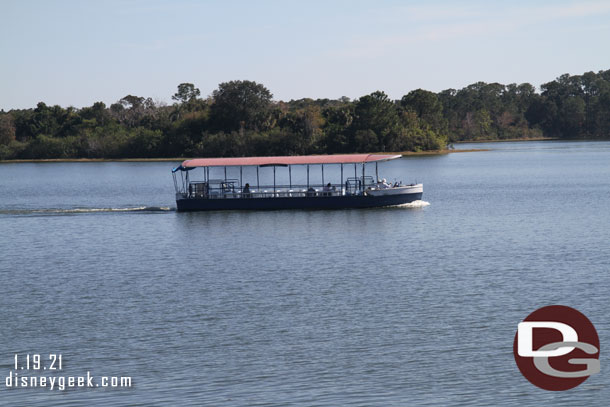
[230, 190]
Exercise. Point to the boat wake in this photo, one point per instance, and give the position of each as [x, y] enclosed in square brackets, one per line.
[62, 211]
[414, 204]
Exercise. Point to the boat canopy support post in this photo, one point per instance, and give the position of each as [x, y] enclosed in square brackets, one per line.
[323, 175]
[274, 181]
[363, 173]
[342, 178]
[241, 183]
[258, 184]
[308, 177]
[376, 172]
[290, 176]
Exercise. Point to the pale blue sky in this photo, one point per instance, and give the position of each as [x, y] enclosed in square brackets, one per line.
[74, 53]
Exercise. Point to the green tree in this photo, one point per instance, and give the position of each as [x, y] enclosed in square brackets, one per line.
[428, 108]
[97, 112]
[132, 102]
[377, 113]
[337, 122]
[478, 126]
[7, 129]
[133, 110]
[572, 117]
[305, 128]
[187, 92]
[145, 143]
[45, 120]
[240, 105]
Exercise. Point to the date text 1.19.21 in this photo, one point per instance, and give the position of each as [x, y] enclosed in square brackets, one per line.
[38, 362]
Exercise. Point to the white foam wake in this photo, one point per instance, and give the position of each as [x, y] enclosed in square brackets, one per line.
[90, 210]
[414, 204]
[51, 211]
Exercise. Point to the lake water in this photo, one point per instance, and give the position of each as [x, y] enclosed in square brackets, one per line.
[377, 307]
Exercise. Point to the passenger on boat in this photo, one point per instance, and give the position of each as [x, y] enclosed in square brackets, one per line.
[383, 184]
[326, 191]
[245, 193]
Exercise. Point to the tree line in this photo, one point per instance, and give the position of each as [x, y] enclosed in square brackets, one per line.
[240, 118]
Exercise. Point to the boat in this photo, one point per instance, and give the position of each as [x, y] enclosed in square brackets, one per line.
[356, 189]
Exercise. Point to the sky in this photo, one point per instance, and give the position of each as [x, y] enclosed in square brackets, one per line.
[74, 53]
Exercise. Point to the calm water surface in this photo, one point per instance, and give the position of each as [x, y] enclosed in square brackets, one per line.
[377, 307]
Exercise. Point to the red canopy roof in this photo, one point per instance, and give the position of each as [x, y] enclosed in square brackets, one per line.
[288, 160]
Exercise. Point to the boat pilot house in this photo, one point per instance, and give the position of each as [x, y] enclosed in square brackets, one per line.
[235, 183]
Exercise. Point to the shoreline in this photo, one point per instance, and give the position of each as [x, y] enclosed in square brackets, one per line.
[508, 140]
[90, 160]
[179, 160]
[443, 151]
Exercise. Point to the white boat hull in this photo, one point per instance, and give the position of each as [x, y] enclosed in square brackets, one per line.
[405, 189]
